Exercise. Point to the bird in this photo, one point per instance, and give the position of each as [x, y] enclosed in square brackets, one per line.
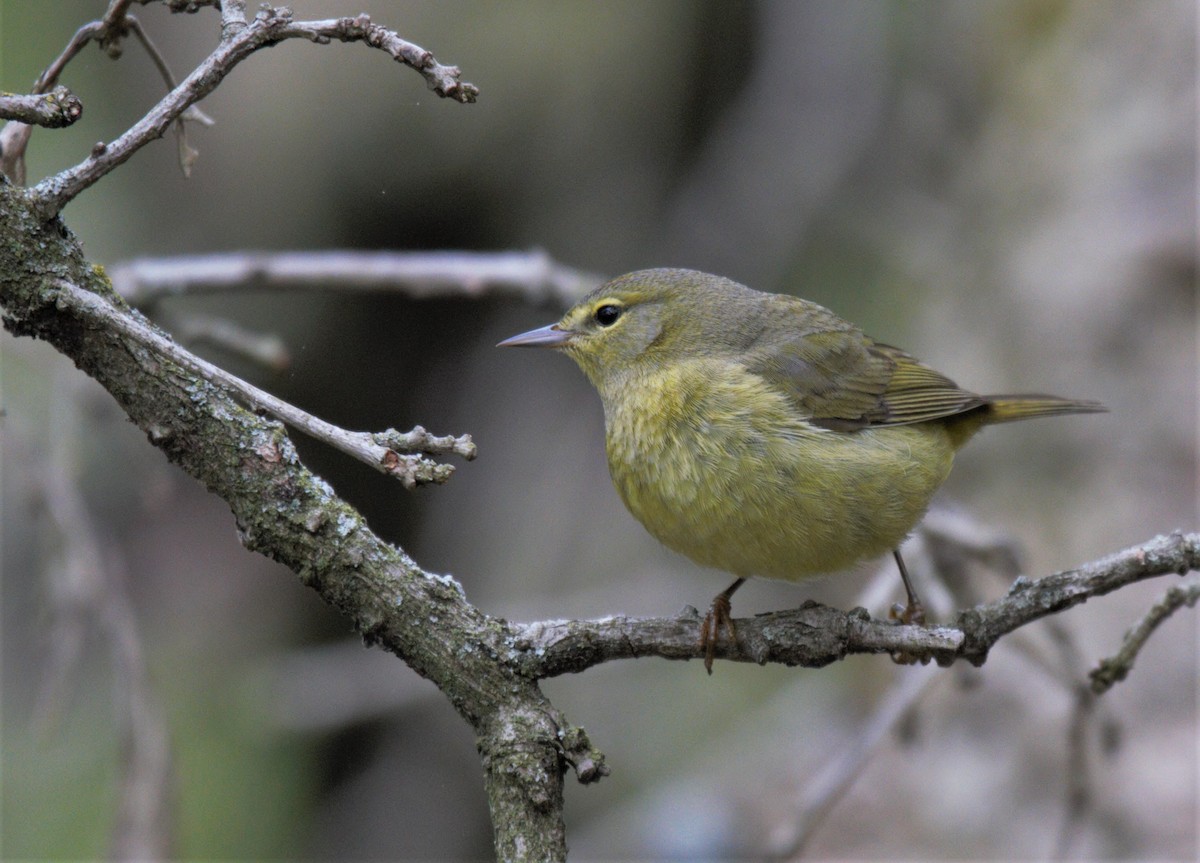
[763, 435]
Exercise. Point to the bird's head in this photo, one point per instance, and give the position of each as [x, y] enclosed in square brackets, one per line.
[652, 317]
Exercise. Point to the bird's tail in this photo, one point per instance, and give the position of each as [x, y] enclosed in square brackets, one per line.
[1010, 408]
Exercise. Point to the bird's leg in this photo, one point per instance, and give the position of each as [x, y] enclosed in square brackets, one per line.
[718, 618]
[914, 609]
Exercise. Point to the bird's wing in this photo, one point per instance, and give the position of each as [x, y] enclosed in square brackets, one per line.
[842, 380]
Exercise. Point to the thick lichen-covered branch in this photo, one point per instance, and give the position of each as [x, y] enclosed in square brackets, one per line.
[288, 514]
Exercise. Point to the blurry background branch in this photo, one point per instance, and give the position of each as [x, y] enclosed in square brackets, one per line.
[534, 276]
[90, 597]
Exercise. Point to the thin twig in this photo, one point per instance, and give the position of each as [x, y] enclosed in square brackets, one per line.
[61, 108]
[113, 27]
[1114, 669]
[409, 465]
[533, 275]
[233, 18]
[14, 137]
[270, 27]
[187, 153]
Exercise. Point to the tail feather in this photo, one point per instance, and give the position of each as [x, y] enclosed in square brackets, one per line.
[1010, 408]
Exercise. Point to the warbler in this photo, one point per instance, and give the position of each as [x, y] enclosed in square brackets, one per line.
[762, 434]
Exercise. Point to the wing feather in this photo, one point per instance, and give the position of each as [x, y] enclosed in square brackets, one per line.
[842, 380]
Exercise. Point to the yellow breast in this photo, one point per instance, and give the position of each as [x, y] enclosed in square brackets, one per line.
[719, 467]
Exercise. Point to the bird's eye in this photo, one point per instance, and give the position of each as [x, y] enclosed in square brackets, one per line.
[607, 315]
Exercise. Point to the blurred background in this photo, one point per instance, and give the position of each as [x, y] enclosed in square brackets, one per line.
[1007, 189]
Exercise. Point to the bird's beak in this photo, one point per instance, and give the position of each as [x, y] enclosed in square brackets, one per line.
[551, 336]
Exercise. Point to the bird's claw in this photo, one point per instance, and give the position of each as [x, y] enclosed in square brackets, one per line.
[718, 617]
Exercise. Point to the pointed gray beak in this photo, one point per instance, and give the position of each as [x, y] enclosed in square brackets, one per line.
[543, 337]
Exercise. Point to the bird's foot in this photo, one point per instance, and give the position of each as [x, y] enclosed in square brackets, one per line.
[719, 617]
[912, 613]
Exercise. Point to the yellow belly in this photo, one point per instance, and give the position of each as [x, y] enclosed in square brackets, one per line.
[723, 471]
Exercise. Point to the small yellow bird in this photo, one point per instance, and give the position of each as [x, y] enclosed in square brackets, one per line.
[762, 434]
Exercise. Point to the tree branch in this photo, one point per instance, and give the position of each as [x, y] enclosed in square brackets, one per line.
[1028, 601]
[269, 27]
[816, 635]
[533, 275]
[399, 455]
[54, 110]
[1115, 668]
[14, 137]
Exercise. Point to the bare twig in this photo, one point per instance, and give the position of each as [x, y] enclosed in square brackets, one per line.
[60, 107]
[269, 27]
[14, 137]
[113, 27]
[1114, 669]
[396, 458]
[533, 275]
[233, 18]
[187, 154]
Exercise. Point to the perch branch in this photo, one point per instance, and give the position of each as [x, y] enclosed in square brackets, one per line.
[816, 635]
[269, 27]
[400, 456]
